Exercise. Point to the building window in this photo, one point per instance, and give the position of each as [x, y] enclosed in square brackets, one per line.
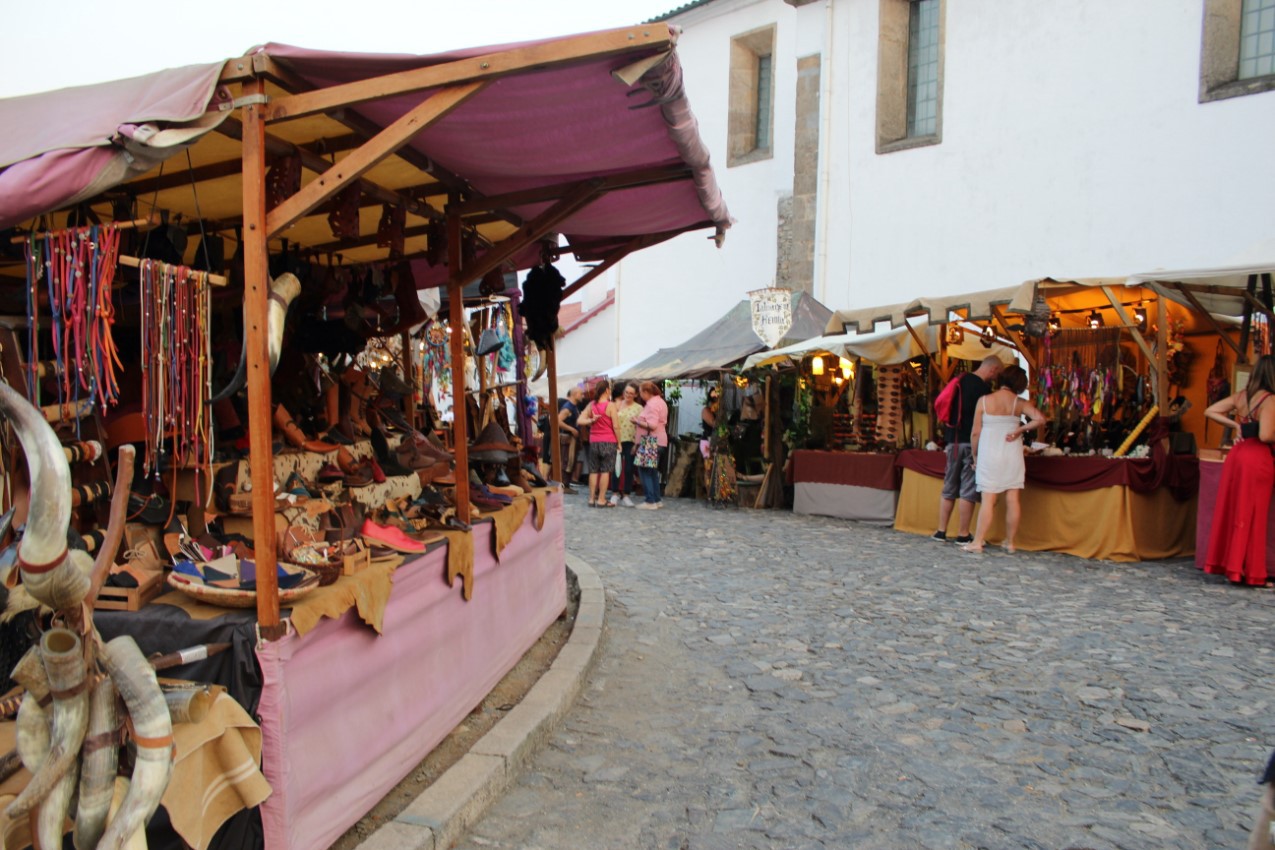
[1257, 39]
[923, 67]
[909, 74]
[750, 125]
[1237, 55]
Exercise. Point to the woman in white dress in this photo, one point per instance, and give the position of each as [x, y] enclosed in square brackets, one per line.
[997, 445]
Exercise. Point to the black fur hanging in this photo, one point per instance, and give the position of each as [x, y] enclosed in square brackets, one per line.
[541, 298]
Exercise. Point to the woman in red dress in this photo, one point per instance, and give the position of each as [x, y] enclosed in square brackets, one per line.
[1237, 543]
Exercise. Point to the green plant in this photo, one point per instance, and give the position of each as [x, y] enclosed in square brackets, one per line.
[673, 390]
[799, 431]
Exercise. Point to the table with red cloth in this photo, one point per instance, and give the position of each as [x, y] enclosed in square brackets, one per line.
[1210, 478]
[861, 486]
[1118, 509]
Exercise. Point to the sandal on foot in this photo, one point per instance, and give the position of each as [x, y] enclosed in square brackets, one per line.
[971, 549]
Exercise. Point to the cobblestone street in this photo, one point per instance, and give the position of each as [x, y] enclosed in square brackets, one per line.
[771, 680]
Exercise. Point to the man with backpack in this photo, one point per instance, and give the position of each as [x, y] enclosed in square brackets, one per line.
[958, 415]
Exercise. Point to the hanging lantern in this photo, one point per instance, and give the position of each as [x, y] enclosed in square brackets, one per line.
[1035, 324]
[987, 337]
[1055, 325]
[1095, 320]
[1140, 316]
[816, 366]
[955, 334]
[847, 368]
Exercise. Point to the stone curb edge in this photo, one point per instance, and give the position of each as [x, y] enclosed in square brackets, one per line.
[456, 800]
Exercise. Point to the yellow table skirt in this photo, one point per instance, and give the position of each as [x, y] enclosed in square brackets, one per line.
[1110, 523]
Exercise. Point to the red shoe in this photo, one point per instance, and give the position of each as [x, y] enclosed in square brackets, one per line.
[378, 474]
[390, 537]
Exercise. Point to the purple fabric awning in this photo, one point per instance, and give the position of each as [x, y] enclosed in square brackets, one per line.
[532, 128]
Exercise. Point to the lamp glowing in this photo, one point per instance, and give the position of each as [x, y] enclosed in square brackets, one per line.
[847, 368]
[816, 366]
[1095, 320]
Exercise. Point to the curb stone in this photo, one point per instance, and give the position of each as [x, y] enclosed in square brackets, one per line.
[456, 800]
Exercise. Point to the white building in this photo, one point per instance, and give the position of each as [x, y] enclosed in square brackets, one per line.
[1052, 137]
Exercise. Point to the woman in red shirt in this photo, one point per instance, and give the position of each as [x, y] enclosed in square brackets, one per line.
[602, 443]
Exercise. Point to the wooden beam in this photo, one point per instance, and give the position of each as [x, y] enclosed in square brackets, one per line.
[583, 195]
[314, 162]
[544, 194]
[456, 319]
[1162, 348]
[1221, 332]
[364, 158]
[555, 427]
[489, 66]
[256, 326]
[998, 316]
[1127, 321]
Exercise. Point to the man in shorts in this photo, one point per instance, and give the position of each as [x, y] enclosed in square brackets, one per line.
[958, 479]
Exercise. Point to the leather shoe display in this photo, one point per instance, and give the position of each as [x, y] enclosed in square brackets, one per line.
[295, 436]
[390, 537]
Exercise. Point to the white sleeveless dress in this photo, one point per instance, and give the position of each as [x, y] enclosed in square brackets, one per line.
[1000, 464]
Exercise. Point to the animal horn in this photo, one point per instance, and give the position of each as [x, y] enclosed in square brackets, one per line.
[47, 574]
[282, 290]
[54, 782]
[97, 770]
[152, 734]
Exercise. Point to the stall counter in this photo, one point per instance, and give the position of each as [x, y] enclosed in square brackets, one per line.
[861, 486]
[1093, 507]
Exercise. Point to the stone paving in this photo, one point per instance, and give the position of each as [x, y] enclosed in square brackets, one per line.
[771, 680]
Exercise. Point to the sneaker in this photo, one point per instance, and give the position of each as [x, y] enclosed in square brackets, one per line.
[648, 506]
[615, 500]
[940, 536]
[963, 539]
[627, 502]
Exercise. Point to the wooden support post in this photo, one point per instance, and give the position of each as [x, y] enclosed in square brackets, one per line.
[555, 424]
[1020, 342]
[1222, 333]
[409, 377]
[1162, 352]
[256, 334]
[456, 318]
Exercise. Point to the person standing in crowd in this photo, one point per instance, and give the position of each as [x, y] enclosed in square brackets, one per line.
[958, 480]
[652, 443]
[627, 407]
[599, 415]
[996, 446]
[1237, 541]
[568, 434]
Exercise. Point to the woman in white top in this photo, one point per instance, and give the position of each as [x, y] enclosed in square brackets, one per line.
[996, 442]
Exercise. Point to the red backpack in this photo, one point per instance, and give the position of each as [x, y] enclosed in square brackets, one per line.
[947, 406]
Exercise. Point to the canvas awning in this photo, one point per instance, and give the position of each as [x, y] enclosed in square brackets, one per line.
[935, 309]
[1220, 290]
[727, 341]
[883, 348]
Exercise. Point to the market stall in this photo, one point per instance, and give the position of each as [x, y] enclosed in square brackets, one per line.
[868, 397]
[397, 555]
[1101, 381]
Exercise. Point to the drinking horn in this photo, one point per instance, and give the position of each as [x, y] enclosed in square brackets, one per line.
[48, 574]
[98, 764]
[283, 289]
[54, 781]
[152, 735]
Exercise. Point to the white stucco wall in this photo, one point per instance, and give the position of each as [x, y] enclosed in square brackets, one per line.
[1073, 144]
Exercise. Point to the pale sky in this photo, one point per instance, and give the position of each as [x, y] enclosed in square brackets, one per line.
[63, 43]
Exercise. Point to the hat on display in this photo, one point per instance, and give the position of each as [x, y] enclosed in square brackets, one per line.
[489, 342]
[492, 446]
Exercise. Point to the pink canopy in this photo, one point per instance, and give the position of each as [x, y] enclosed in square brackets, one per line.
[530, 129]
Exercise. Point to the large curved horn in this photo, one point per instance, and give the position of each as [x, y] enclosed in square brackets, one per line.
[47, 574]
[98, 765]
[152, 734]
[54, 782]
[282, 290]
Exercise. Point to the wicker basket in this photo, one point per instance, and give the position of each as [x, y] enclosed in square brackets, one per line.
[228, 597]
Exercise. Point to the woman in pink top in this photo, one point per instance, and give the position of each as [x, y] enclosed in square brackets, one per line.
[602, 444]
[651, 423]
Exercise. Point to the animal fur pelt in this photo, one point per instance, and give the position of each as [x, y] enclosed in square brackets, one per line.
[541, 298]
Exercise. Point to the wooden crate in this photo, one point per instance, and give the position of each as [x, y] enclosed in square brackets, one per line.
[130, 598]
[361, 560]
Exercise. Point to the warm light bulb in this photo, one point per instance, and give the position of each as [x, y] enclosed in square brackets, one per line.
[816, 366]
[847, 368]
[1095, 320]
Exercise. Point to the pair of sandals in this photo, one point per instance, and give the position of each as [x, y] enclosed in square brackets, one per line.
[602, 504]
[971, 549]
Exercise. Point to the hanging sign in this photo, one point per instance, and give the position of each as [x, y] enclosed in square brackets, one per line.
[772, 314]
